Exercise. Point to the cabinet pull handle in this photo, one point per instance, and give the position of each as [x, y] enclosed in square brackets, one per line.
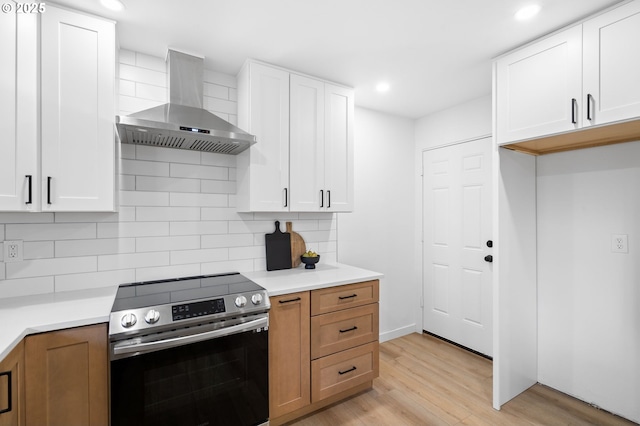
[328, 199]
[589, 101]
[322, 198]
[574, 107]
[289, 300]
[347, 371]
[349, 329]
[9, 399]
[29, 201]
[347, 297]
[286, 197]
[49, 189]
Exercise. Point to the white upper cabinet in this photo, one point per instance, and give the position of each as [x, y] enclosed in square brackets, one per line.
[578, 78]
[612, 65]
[18, 112]
[58, 147]
[78, 111]
[539, 88]
[303, 158]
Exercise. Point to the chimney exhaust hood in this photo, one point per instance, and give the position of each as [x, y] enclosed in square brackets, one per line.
[183, 123]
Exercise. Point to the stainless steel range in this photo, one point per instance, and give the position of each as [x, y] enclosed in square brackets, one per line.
[190, 351]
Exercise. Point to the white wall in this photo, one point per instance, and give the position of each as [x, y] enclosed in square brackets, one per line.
[589, 297]
[177, 214]
[379, 233]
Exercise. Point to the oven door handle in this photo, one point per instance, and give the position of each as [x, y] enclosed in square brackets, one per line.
[128, 348]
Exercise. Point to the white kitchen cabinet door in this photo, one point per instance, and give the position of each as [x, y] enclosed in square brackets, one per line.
[307, 144]
[539, 88]
[612, 66]
[263, 110]
[338, 151]
[78, 111]
[18, 112]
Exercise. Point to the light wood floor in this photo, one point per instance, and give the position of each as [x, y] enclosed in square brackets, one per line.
[425, 381]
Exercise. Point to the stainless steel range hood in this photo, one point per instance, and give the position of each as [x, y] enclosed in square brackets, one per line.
[183, 122]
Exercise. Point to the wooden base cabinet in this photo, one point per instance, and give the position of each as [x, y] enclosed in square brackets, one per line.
[323, 347]
[66, 379]
[12, 388]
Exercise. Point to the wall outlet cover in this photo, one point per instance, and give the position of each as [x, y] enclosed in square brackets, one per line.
[619, 243]
[13, 251]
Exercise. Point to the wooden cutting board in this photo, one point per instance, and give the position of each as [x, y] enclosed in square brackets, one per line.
[298, 246]
[278, 249]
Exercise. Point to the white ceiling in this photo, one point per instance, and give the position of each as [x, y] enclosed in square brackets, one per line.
[434, 54]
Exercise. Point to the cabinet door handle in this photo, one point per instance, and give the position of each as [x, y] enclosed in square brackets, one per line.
[49, 189]
[348, 370]
[328, 199]
[574, 107]
[322, 198]
[347, 297]
[29, 201]
[349, 329]
[9, 398]
[589, 101]
[289, 300]
[286, 197]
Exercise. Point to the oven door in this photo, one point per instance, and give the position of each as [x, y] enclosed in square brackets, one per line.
[198, 376]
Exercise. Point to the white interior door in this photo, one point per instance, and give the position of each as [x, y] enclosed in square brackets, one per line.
[457, 222]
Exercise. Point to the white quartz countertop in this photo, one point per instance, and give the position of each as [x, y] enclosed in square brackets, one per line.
[21, 316]
[299, 279]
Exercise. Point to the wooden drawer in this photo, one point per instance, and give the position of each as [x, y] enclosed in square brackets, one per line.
[341, 371]
[343, 297]
[337, 331]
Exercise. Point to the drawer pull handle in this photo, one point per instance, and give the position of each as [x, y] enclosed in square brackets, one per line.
[9, 398]
[30, 177]
[349, 329]
[289, 301]
[347, 297]
[347, 371]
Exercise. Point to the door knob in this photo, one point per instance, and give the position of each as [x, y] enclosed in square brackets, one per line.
[488, 258]
[489, 243]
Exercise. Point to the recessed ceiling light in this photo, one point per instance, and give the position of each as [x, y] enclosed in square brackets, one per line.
[116, 5]
[527, 12]
[382, 87]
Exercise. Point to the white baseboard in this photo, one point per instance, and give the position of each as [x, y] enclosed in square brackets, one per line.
[398, 332]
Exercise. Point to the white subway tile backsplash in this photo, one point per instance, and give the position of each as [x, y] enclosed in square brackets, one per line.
[165, 272]
[157, 214]
[26, 287]
[143, 198]
[45, 267]
[144, 168]
[199, 172]
[132, 229]
[89, 280]
[176, 215]
[167, 155]
[199, 256]
[37, 250]
[198, 228]
[133, 260]
[72, 248]
[143, 75]
[56, 231]
[198, 200]
[185, 242]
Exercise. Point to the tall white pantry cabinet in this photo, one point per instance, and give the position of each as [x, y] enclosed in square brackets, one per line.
[57, 112]
[303, 158]
[576, 88]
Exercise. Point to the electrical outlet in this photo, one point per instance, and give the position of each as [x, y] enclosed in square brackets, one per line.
[619, 243]
[13, 251]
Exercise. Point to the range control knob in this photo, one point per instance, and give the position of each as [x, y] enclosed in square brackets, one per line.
[128, 320]
[152, 316]
[241, 301]
[256, 299]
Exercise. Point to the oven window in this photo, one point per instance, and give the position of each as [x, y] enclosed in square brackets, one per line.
[221, 381]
